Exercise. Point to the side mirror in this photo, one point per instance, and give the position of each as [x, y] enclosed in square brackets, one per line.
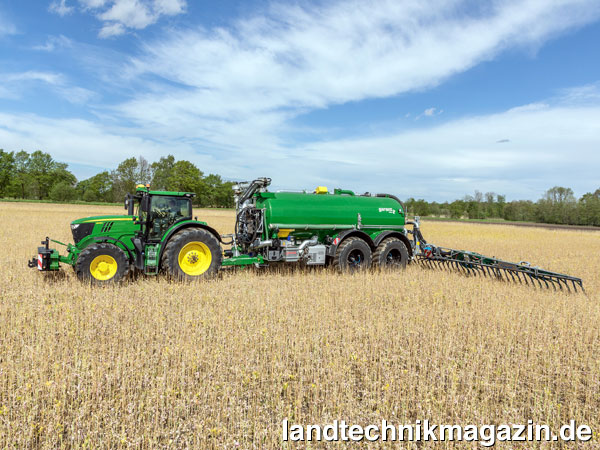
[126, 203]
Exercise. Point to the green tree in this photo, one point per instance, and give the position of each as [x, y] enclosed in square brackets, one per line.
[474, 210]
[7, 167]
[520, 210]
[144, 174]
[20, 183]
[557, 206]
[457, 209]
[162, 170]
[60, 173]
[63, 191]
[98, 188]
[125, 177]
[40, 168]
[128, 174]
[185, 177]
[589, 208]
[224, 195]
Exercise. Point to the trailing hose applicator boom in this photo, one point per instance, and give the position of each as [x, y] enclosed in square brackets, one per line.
[473, 264]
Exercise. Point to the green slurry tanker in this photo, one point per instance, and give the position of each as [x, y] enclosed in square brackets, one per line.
[339, 229]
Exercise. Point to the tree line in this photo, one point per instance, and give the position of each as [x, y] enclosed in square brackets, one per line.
[38, 176]
[558, 206]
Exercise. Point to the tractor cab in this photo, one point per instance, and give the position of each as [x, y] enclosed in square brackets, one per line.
[157, 211]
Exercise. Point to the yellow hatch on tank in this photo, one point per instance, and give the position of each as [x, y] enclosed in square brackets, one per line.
[321, 190]
[284, 232]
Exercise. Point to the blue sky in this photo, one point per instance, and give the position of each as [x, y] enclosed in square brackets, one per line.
[429, 99]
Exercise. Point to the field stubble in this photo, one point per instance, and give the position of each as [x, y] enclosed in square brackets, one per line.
[222, 363]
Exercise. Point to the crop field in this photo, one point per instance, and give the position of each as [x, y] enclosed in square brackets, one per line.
[153, 363]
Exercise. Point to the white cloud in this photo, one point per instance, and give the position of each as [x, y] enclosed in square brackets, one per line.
[54, 42]
[130, 13]
[430, 112]
[169, 7]
[60, 7]
[31, 75]
[92, 4]
[112, 29]
[6, 28]
[15, 85]
[118, 16]
[581, 94]
[299, 59]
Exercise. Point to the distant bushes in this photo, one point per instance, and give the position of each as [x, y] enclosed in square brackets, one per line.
[558, 205]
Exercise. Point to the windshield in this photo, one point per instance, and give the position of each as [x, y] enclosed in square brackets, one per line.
[165, 211]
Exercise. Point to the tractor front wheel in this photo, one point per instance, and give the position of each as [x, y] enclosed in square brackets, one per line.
[192, 254]
[353, 254]
[102, 264]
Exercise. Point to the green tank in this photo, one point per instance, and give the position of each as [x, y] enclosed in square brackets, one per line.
[338, 211]
[339, 228]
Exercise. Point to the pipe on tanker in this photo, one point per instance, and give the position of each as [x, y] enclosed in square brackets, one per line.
[312, 241]
[262, 244]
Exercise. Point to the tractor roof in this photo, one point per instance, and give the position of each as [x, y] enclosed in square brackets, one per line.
[146, 189]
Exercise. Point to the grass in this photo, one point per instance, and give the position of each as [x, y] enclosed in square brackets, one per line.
[219, 364]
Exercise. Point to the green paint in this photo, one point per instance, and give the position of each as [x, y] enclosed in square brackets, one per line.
[327, 214]
[242, 260]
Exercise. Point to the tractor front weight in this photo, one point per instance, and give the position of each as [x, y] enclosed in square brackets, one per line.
[49, 259]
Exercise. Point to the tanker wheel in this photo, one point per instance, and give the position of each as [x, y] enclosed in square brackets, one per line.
[391, 253]
[192, 254]
[353, 254]
[102, 264]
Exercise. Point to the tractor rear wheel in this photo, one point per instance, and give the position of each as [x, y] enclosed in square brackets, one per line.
[391, 253]
[102, 263]
[192, 254]
[353, 254]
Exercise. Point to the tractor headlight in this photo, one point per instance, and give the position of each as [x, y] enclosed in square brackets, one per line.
[81, 230]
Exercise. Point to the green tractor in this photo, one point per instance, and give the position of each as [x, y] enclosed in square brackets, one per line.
[157, 233]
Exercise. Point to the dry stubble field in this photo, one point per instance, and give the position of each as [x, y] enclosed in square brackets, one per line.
[159, 364]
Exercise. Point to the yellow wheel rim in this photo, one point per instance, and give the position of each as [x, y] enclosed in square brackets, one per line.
[195, 258]
[103, 267]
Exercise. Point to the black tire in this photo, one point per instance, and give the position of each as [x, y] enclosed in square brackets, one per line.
[203, 244]
[353, 254]
[88, 266]
[391, 253]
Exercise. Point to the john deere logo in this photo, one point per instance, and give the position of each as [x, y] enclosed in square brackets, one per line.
[389, 210]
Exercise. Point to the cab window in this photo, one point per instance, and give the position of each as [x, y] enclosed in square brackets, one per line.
[165, 211]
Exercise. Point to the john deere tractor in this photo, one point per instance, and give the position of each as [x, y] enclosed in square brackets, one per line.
[341, 229]
[157, 233]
